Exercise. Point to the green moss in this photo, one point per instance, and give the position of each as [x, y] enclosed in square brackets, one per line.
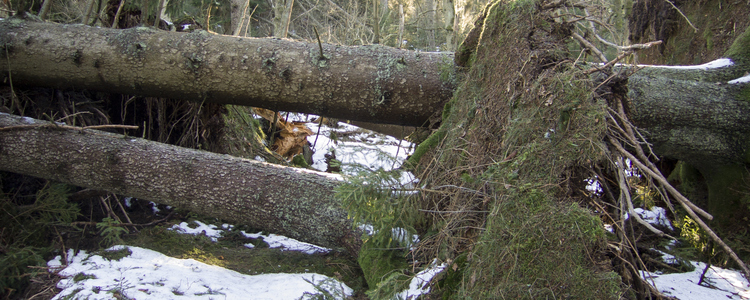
[534, 243]
[451, 279]
[708, 35]
[230, 252]
[447, 108]
[205, 257]
[739, 52]
[744, 95]
[428, 145]
[115, 254]
[299, 160]
[537, 248]
[447, 71]
[81, 277]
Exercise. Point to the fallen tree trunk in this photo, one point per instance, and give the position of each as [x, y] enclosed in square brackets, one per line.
[290, 201]
[698, 114]
[677, 108]
[368, 83]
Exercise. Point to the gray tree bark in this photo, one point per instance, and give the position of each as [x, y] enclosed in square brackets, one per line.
[693, 114]
[368, 83]
[688, 114]
[290, 201]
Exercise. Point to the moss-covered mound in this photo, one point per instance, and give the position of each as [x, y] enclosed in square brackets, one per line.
[513, 150]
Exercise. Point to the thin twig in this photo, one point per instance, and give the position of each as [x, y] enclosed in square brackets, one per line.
[320, 124]
[627, 51]
[683, 15]
[625, 196]
[690, 208]
[109, 210]
[320, 45]
[125, 224]
[660, 178]
[115, 22]
[584, 42]
[122, 209]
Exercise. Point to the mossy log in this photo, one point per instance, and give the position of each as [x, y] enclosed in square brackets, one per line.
[693, 114]
[368, 83]
[290, 201]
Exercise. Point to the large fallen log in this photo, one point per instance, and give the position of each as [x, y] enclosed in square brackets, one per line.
[290, 201]
[368, 83]
[698, 114]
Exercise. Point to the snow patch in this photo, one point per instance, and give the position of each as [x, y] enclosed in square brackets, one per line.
[719, 63]
[743, 79]
[273, 240]
[147, 274]
[655, 216]
[718, 284]
[418, 285]
[285, 243]
[204, 229]
[401, 235]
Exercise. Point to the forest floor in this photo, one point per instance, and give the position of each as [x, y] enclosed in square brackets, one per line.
[194, 257]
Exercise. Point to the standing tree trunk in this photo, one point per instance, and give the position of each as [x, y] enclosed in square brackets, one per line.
[376, 21]
[450, 24]
[238, 12]
[431, 24]
[290, 201]
[401, 26]
[45, 9]
[368, 83]
[279, 17]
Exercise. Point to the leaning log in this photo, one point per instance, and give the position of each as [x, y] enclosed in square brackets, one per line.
[290, 201]
[368, 83]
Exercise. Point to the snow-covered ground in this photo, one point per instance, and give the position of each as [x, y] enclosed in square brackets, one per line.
[146, 274]
[274, 241]
[718, 284]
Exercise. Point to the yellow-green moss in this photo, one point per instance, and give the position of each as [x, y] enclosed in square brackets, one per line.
[429, 144]
[739, 52]
[534, 244]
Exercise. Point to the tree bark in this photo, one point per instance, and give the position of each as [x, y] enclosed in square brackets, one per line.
[290, 201]
[689, 114]
[368, 83]
[693, 113]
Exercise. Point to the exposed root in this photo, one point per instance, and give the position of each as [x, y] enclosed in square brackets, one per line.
[623, 132]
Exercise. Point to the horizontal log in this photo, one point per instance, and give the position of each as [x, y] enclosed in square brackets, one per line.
[367, 83]
[289, 201]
